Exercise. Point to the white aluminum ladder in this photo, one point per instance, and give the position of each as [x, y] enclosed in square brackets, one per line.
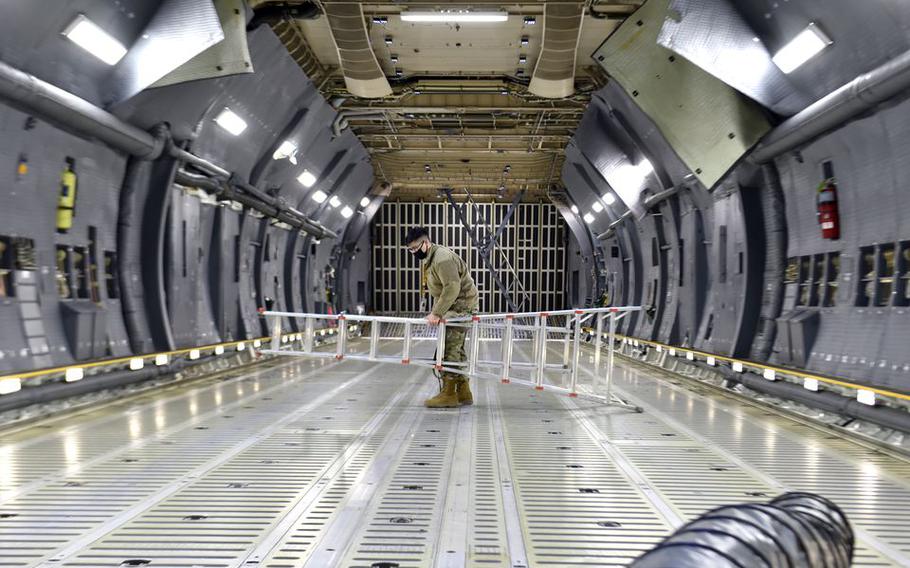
[508, 329]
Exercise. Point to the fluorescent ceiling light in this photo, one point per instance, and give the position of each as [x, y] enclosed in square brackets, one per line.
[286, 150]
[597, 207]
[365, 201]
[806, 45]
[589, 218]
[347, 212]
[230, 121]
[308, 180]
[609, 198]
[454, 17]
[334, 201]
[137, 363]
[320, 196]
[575, 209]
[87, 35]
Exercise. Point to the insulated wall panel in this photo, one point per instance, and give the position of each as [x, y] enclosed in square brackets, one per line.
[709, 124]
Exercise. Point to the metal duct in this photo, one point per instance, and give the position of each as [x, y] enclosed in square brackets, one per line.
[836, 109]
[554, 74]
[362, 75]
[272, 207]
[73, 114]
[795, 529]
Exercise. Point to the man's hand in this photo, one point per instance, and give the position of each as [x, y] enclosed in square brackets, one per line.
[433, 319]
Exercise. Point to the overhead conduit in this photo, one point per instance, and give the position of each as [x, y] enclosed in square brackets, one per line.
[834, 110]
[80, 117]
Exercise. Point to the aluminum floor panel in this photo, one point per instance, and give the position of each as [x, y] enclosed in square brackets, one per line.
[316, 463]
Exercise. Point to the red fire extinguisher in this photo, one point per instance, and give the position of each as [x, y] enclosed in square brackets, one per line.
[828, 217]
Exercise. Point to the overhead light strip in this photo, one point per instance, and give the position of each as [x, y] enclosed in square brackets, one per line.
[457, 17]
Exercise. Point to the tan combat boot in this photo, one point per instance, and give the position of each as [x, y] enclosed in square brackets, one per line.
[447, 397]
[465, 398]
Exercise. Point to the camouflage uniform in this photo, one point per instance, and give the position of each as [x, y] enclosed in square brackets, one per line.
[454, 294]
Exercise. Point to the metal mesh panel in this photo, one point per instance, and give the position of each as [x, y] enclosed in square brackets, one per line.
[529, 255]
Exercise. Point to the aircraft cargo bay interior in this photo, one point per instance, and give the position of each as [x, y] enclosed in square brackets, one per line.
[413, 284]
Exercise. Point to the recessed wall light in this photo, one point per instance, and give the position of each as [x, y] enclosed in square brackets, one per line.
[806, 45]
[229, 120]
[307, 179]
[285, 150]
[90, 37]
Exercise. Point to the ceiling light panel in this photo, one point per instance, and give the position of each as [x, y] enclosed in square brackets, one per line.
[90, 37]
[456, 17]
[346, 212]
[806, 45]
[320, 196]
[334, 201]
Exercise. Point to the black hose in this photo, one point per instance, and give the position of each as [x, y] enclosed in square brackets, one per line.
[775, 226]
[795, 530]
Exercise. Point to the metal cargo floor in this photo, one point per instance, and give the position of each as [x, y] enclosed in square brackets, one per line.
[338, 464]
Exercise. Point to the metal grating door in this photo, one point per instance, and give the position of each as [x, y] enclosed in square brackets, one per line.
[529, 256]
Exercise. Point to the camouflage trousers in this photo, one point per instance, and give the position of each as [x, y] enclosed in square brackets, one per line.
[455, 338]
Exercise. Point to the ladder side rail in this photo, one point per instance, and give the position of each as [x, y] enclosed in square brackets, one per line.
[541, 351]
[406, 349]
[576, 352]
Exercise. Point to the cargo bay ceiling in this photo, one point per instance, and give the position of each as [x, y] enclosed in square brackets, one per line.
[486, 107]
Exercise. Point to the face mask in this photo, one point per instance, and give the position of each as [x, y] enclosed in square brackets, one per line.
[420, 254]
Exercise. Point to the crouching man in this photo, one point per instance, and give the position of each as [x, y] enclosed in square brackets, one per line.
[454, 294]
